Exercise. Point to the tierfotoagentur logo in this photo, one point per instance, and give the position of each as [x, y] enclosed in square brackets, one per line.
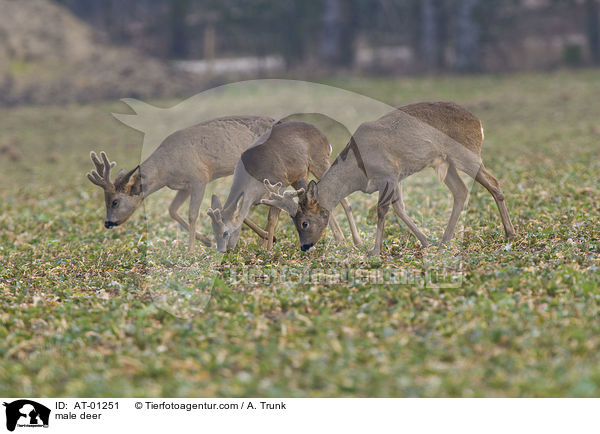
[25, 413]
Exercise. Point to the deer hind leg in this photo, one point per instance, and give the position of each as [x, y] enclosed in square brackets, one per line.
[486, 179]
[459, 193]
[400, 211]
[179, 199]
[197, 194]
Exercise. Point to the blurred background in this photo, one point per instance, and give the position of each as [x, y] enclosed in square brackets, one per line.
[57, 51]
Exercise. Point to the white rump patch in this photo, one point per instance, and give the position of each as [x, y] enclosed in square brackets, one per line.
[331, 148]
[441, 168]
[482, 135]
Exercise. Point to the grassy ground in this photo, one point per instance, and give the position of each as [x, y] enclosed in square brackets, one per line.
[522, 319]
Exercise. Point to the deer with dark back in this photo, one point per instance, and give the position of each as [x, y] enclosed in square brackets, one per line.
[283, 156]
[382, 153]
[185, 161]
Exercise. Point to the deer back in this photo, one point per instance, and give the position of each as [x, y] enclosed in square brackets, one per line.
[208, 150]
[286, 153]
[409, 139]
[452, 120]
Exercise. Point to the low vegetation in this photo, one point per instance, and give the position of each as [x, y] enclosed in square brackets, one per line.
[81, 314]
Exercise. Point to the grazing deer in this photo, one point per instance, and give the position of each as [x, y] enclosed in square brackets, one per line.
[382, 153]
[282, 156]
[185, 161]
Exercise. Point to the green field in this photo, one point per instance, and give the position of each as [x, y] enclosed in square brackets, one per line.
[78, 317]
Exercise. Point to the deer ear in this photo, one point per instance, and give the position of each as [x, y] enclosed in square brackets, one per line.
[301, 184]
[238, 205]
[215, 203]
[311, 192]
[133, 187]
[130, 182]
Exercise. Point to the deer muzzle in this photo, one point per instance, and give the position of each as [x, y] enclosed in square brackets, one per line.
[108, 224]
[307, 247]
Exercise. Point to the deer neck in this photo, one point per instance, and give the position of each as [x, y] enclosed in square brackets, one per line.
[344, 177]
[151, 177]
[253, 191]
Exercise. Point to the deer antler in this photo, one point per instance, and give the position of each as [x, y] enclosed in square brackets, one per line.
[284, 201]
[101, 176]
[215, 215]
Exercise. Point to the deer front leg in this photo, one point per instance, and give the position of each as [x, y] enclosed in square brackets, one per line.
[197, 194]
[348, 211]
[271, 224]
[336, 230]
[179, 199]
[259, 231]
[382, 210]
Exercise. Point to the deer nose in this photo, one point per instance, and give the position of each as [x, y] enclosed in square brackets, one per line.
[108, 224]
[307, 247]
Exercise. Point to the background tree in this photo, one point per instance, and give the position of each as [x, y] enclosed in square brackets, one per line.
[428, 37]
[467, 37]
[441, 35]
[592, 29]
[178, 12]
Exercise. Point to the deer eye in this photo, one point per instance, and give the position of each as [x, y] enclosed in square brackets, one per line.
[115, 203]
[304, 225]
[225, 234]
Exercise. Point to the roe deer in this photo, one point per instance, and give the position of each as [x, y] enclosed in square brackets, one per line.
[185, 161]
[382, 153]
[282, 156]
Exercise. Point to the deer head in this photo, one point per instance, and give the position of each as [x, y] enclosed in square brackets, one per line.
[309, 217]
[121, 197]
[226, 223]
